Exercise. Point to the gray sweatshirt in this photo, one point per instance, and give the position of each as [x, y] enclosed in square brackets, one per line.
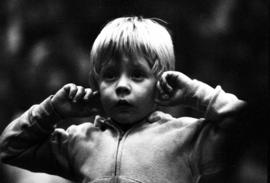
[161, 150]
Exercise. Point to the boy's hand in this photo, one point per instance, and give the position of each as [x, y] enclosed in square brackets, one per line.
[76, 101]
[173, 88]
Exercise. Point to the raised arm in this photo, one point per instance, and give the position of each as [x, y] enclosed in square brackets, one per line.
[27, 142]
[175, 88]
[218, 137]
[32, 142]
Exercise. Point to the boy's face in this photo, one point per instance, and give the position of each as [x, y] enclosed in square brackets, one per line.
[127, 89]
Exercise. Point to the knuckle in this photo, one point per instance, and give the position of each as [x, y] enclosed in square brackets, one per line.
[88, 90]
[70, 84]
[80, 88]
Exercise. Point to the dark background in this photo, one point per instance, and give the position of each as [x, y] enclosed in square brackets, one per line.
[45, 44]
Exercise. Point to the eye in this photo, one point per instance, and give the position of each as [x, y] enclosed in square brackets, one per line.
[109, 75]
[138, 75]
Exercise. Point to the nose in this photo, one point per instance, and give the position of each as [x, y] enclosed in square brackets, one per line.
[123, 87]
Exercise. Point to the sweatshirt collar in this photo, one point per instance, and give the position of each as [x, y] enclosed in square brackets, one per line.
[156, 116]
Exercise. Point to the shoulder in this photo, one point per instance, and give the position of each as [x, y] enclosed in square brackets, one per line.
[188, 121]
[166, 119]
[60, 134]
[87, 127]
[83, 127]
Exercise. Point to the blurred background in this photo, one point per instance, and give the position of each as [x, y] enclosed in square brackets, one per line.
[45, 44]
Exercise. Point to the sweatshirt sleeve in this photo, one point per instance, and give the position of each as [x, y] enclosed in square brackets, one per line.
[31, 142]
[214, 103]
[219, 133]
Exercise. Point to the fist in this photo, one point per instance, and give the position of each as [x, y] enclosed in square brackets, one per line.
[76, 101]
[173, 88]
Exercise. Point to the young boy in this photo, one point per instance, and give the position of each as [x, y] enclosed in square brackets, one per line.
[132, 63]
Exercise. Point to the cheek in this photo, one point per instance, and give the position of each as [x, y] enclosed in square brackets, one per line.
[104, 88]
[105, 94]
[148, 92]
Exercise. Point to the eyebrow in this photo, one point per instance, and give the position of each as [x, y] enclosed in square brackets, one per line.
[139, 67]
[107, 67]
[112, 64]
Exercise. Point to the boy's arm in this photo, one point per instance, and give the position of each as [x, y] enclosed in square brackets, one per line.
[30, 142]
[176, 88]
[220, 139]
[218, 133]
[213, 102]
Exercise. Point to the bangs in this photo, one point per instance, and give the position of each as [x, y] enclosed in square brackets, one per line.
[128, 39]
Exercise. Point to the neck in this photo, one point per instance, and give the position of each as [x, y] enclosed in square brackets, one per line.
[126, 127]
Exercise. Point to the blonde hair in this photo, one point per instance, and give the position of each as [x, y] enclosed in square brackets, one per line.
[132, 35]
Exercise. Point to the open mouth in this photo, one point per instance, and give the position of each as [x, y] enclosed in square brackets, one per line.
[123, 104]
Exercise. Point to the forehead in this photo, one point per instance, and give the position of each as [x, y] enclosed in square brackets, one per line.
[129, 61]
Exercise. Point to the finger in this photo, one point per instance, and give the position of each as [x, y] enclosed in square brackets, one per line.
[71, 90]
[160, 90]
[79, 94]
[165, 85]
[161, 93]
[89, 93]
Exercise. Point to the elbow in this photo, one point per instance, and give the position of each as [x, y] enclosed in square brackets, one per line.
[7, 153]
[4, 155]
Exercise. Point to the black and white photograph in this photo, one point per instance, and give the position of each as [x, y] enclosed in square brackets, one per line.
[122, 91]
